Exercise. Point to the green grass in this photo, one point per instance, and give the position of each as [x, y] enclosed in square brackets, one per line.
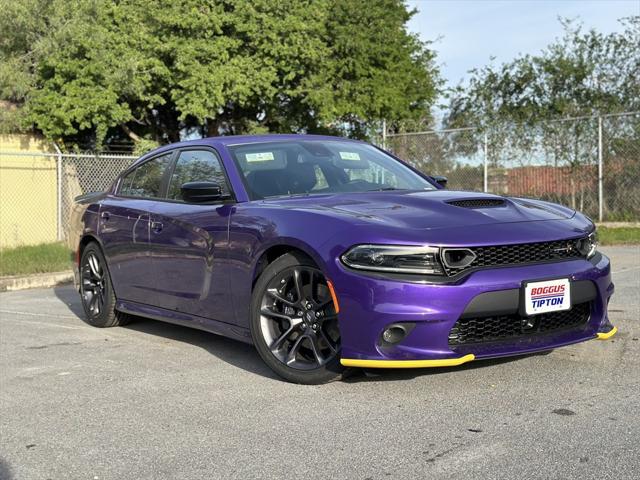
[619, 235]
[47, 257]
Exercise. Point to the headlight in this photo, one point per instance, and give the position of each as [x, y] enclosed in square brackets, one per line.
[589, 244]
[394, 259]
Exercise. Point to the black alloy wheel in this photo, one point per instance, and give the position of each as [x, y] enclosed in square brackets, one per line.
[294, 321]
[96, 290]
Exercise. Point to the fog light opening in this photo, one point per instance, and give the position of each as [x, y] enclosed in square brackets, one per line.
[394, 334]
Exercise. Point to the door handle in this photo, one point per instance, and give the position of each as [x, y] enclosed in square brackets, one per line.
[156, 227]
[105, 216]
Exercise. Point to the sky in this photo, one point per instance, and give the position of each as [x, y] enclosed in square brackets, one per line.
[469, 32]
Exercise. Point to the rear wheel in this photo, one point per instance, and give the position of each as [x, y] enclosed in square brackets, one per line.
[96, 291]
[294, 324]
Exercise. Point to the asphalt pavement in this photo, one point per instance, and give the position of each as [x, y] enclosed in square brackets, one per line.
[157, 401]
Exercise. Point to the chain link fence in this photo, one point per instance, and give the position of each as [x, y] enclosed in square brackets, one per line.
[589, 163]
[82, 174]
[455, 154]
[37, 190]
[621, 168]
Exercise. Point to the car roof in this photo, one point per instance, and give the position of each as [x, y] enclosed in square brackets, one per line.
[241, 140]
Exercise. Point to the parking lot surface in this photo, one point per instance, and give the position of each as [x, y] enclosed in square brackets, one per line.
[156, 401]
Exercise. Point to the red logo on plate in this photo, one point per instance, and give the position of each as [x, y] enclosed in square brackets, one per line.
[557, 289]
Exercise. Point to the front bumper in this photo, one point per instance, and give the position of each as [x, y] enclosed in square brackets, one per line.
[368, 305]
[442, 362]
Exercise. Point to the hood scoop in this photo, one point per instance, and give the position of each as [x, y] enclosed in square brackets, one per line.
[477, 202]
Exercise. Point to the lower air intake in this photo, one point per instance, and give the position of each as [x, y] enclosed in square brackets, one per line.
[499, 328]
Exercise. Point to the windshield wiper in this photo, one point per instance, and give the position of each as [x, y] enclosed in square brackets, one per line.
[290, 195]
[385, 189]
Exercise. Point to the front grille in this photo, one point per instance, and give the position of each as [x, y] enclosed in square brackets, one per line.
[503, 327]
[501, 255]
[477, 202]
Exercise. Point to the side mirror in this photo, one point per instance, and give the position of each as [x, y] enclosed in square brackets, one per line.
[200, 192]
[440, 180]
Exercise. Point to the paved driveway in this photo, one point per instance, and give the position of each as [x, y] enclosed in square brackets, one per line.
[159, 401]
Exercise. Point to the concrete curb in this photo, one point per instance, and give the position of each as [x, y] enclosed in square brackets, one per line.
[39, 280]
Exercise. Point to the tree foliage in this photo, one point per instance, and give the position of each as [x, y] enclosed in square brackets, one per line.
[154, 69]
[584, 73]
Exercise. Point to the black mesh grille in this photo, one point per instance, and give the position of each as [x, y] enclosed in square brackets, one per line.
[477, 202]
[521, 253]
[503, 327]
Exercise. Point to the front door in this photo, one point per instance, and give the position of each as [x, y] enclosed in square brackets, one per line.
[188, 242]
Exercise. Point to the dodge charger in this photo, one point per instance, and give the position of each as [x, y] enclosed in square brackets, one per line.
[328, 254]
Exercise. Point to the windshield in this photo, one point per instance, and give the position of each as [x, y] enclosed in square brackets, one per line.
[315, 167]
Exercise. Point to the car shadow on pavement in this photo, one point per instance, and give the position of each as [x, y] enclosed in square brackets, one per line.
[231, 351]
[392, 375]
[5, 470]
[244, 356]
[68, 295]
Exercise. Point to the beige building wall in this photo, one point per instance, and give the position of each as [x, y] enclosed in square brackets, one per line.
[28, 199]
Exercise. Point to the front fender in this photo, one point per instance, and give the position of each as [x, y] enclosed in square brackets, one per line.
[293, 243]
[254, 229]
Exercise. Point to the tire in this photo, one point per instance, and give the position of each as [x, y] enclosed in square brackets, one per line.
[96, 291]
[294, 325]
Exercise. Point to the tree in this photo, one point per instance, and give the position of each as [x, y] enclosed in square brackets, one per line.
[153, 69]
[581, 74]
[521, 105]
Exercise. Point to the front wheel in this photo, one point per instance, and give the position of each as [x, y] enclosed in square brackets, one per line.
[294, 324]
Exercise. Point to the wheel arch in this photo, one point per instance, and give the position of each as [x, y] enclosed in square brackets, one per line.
[272, 252]
[85, 240]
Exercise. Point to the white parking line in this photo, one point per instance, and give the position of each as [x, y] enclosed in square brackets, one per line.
[34, 314]
[47, 324]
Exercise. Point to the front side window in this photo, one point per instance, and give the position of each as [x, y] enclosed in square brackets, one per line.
[146, 180]
[316, 167]
[196, 166]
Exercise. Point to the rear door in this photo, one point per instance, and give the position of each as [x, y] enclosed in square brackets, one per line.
[188, 241]
[124, 229]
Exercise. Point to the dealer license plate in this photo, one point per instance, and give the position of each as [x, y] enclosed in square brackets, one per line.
[547, 296]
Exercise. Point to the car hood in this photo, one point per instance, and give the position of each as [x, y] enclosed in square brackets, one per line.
[427, 209]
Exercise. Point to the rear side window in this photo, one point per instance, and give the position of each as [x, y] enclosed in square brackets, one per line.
[146, 180]
[196, 166]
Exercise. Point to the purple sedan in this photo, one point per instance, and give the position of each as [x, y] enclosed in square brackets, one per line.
[328, 253]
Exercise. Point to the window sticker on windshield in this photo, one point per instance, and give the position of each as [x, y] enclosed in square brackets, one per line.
[349, 156]
[259, 157]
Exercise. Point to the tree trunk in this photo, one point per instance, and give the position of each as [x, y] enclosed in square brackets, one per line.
[213, 127]
[130, 133]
